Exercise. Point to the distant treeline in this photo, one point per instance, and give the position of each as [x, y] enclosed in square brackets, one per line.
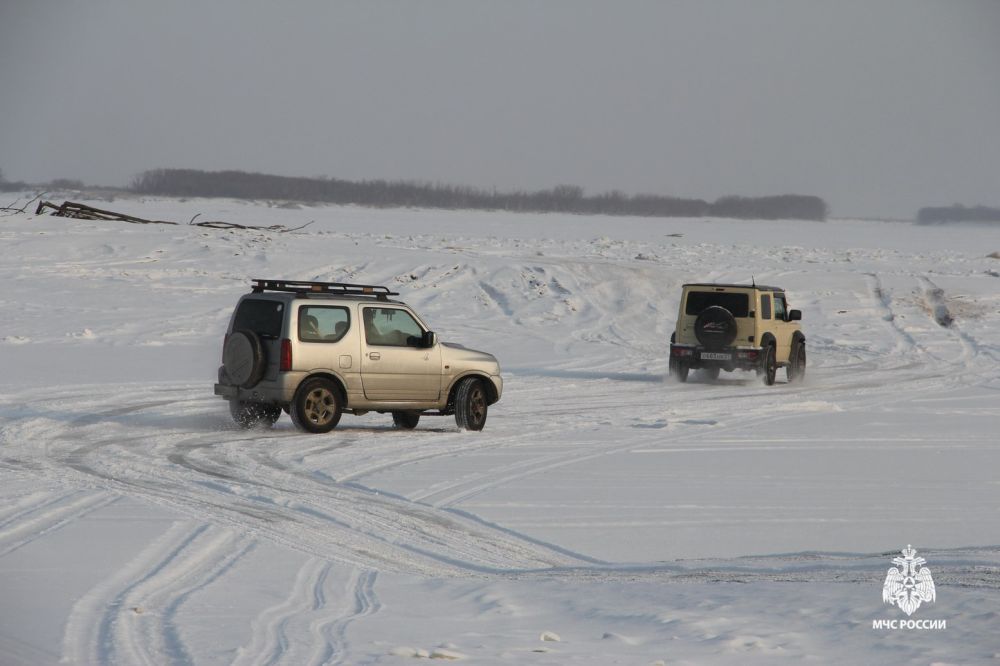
[381, 193]
[11, 186]
[21, 186]
[958, 213]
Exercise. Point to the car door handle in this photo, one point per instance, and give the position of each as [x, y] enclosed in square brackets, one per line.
[374, 356]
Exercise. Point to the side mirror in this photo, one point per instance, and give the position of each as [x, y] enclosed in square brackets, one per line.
[794, 315]
[430, 339]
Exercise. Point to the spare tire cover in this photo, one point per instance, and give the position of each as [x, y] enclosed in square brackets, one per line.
[715, 327]
[244, 360]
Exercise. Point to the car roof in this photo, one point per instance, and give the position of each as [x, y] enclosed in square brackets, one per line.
[353, 298]
[759, 287]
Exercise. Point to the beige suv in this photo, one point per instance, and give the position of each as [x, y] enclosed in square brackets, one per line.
[318, 349]
[732, 326]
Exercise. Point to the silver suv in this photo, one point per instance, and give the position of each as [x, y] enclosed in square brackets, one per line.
[318, 349]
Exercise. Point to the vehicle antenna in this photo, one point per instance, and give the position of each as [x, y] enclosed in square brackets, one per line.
[753, 282]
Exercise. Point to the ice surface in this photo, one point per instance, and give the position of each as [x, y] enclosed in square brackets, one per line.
[635, 519]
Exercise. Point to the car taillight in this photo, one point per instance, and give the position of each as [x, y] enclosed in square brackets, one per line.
[286, 355]
[224, 341]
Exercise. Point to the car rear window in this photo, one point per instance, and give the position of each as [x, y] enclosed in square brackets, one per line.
[737, 304]
[263, 317]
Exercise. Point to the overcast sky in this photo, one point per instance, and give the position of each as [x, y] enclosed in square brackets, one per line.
[878, 106]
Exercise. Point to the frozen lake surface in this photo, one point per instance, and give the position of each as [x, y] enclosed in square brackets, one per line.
[605, 514]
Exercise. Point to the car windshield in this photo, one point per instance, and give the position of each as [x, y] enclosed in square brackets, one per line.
[737, 304]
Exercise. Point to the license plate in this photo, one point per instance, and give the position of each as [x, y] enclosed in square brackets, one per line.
[714, 356]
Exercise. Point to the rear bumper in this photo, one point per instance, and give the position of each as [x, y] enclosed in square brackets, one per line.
[729, 358]
[280, 391]
[260, 393]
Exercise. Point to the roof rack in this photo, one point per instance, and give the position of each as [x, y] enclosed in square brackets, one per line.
[761, 287]
[304, 287]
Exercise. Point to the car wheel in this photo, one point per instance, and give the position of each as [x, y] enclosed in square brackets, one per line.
[797, 363]
[317, 406]
[253, 414]
[406, 420]
[710, 373]
[679, 370]
[470, 404]
[244, 359]
[769, 369]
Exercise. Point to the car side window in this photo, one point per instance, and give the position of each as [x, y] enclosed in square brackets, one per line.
[391, 327]
[779, 307]
[765, 306]
[323, 323]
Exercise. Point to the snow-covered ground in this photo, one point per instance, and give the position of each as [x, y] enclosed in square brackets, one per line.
[604, 516]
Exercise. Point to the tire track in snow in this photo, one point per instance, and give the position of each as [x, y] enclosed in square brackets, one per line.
[391, 456]
[689, 403]
[129, 617]
[905, 341]
[937, 307]
[249, 496]
[496, 297]
[932, 307]
[449, 540]
[37, 520]
[363, 603]
[965, 567]
[238, 478]
[310, 626]
[329, 519]
[448, 495]
[271, 640]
